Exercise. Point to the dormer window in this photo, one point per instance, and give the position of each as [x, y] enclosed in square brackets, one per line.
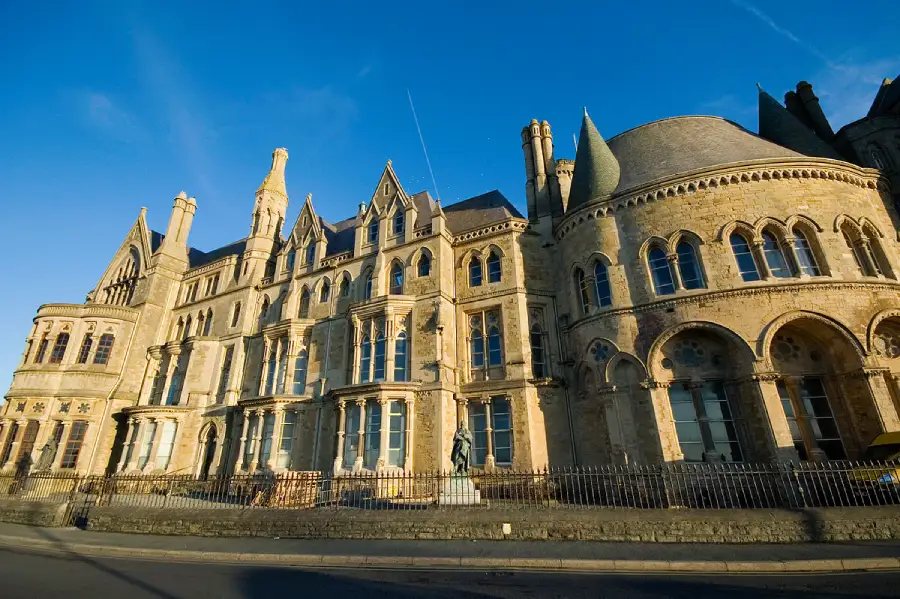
[399, 223]
[373, 231]
[311, 253]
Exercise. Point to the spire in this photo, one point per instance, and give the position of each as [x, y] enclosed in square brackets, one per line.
[778, 125]
[274, 181]
[596, 169]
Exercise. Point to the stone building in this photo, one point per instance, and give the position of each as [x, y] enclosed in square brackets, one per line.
[686, 290]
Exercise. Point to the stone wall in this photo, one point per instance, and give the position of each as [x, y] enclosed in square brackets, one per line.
[34, 513]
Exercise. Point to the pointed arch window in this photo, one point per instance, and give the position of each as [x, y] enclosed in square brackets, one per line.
[876, 252]
[188, 326]
[301, 364]
[207, 324]
[661, 272]
[236, 314]
[304, 303]
[474, 272]
[399, 223]
[538, 366]
[775, 256]
[325, 292]
[744, 256]
[373, 231]
[853, 241]
[400, 358]
[367, 286]
[380, 355]
[689, 266]
[493, 267]
[311, 253]
[365, 359]
[424, 266]
[59, 348]
[344, 289]
[396, 279]
[601, 285]
[272, 369]
[581, 285]
[291, 258]
[264, 310]
[806, 259]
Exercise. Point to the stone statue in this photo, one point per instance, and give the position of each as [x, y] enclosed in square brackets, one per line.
[462, 447]
[48, 453]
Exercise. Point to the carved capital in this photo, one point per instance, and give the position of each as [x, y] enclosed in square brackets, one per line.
[765, 377]
[651, 384]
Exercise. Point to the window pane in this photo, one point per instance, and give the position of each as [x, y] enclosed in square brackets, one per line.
[495, 353]
[493, 264]
[805, 257]
[474, 272]
[775, 257]
[601, 285]
[146, 445]
[688, 432]
[85, 350]
[424, 266]
[744, 256]
[166, 442]
[502, 430]
[537, 352]
[398, 223]
[581, 284]
[660, 272]
[379, 357]
[373, 434]
[365, 360]
[478, 426]
[400, 358]
[59, 348]
[396, 279]
[351, 435]
[693, 452]
[397, 434]
[300, 367]
[689, 266]
[287, 440]
[267, 434]
[282, 369]
[368, 288]
[73, 445]
[477, 349]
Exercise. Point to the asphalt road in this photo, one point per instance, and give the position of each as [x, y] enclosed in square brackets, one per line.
[34, 575]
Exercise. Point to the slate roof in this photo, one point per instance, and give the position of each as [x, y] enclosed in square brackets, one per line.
[596, 171]
[887, 98]
[479, 211]
[684, 144]
[777, 124]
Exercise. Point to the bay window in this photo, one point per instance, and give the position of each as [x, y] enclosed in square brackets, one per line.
[486, 345]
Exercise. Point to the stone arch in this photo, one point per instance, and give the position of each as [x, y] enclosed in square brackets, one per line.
[619, 358]
[467, 257]
[809, 229]
[769, 331]
[778, 227]
[742, 227]
[495, 249]
[650, 243]
[801, 219]
[845, 220]
[873, 326]
[867, 225]
[596, 355]
[683, 235]
[654, 357]
[413, 260]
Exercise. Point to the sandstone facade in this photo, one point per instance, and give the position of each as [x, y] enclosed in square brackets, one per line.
[684, 291]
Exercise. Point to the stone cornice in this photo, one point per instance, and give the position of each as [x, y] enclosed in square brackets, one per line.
[761, 290]
[273, 401]
[378, 306]
[153, 410]
[506, 226]
[87, 311]
[371, 388]
[723, 175]
[207, 268]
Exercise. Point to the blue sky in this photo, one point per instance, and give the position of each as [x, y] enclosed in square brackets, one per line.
[110, 106]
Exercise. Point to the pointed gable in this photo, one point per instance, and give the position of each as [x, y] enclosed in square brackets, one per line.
[777, 124]
[388, 188]
[136, 246]
[308, 223]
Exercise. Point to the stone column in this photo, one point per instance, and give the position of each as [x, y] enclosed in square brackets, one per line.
[140, 429]
[709, 450]
[489, 461]
[665, 420]
[881, 398]
[410, 422]
[150, 369]
[257, 437]
[462, 412]
[390, 345]
[673, 269]
[291, 358]
[357, 337]
[793, 386]
[17, 441]
[790, 256]
[780, 438]
[384, 433]
[759, 254]
[267, 347]
[341, 424]
[361, 446]
[130, 431]
[864, 251]
[276, 437]
[242, 446]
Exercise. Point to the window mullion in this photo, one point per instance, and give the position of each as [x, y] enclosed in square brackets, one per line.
[709, 445]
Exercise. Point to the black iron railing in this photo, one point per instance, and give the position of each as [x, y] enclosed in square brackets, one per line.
[699, 486]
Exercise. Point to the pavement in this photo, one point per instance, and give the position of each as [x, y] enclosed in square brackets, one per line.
[558, 556]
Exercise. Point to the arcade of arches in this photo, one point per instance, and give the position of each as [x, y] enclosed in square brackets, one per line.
[813, 393]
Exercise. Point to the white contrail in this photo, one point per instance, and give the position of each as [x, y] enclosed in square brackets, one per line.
[756, 12]
[422, 139]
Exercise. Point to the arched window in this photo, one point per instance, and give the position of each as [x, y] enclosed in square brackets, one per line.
[201, 320]
[272, 369]
[264, 310]
[365, 359]
[291, 258]
[876, 251]
[324, 292]
[59, 348]
[660, 272]
[538, 367]
[477, 340]
[104, 348]
[236, 315]
[396, 279]
[179, 328]
[689, 266]
[379, 357]
[344, 289]
[188, 325]
[806, 259]
[582, 287]
[207, 324]
[601, 285]
[474, 272]
[424, 265]
[879, 160]
[493, 267]
[855, 243]
[400, 358]
[744, 257]
[399, 222]
[304, 303]
[311, 252]
[774, 256]
[367, 286]
[495, 343]
[300, 367]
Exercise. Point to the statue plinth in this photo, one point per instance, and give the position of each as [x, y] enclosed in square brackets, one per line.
[459, 490]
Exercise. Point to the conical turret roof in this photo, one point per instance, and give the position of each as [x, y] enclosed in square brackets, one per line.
[596, 169]
[777, 124]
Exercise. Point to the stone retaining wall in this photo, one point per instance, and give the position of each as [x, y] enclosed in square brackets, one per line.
[661, 526]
